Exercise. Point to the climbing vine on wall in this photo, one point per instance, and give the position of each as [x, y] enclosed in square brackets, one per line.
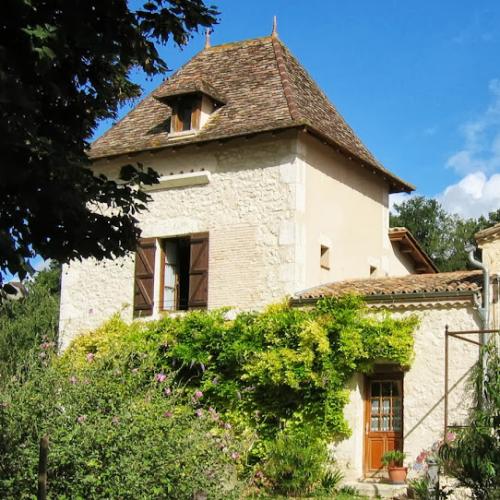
[284, 368]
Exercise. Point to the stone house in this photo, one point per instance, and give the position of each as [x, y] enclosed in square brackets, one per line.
[265, 191]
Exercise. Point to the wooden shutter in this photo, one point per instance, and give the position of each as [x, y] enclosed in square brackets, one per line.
[144, 277]
[198, 271]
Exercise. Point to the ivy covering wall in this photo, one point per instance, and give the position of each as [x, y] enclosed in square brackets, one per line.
[285, 367]
[270, 385]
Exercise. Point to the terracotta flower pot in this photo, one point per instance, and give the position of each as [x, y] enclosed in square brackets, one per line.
[397, 475]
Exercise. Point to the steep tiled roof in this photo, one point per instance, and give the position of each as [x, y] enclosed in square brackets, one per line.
[443, 283]
[263, 88]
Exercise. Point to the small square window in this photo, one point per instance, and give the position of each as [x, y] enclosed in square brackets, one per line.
[324, 259]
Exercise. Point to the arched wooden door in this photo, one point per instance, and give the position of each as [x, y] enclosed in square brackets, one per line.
[383, 419]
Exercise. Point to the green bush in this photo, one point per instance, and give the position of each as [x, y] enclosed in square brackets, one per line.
[167, 408]
[28, 323]
[473, 456]
[296, 462]
[112, 435]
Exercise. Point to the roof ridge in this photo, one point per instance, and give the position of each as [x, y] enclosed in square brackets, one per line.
[285, 80]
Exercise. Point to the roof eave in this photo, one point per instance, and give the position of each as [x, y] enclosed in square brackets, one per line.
[417, 252]
[396, 184]
[392, 298]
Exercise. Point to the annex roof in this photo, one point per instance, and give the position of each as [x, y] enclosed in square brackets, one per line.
[445, 284]
[263, 88]
[409, 245]
[490, 233]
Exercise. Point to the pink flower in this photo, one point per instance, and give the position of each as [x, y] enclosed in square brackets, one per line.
[90, 357]
[73, 379]
[167, 414]
[235, 455]
[199, 412]
[81, 419]
[227, 425]
[198, 394]
[213, 413]
[450, 437]
[167, 391]
[160, 377]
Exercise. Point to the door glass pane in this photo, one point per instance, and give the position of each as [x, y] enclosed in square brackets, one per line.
[385, 424]
[396, 423]
[396, 406]
[386, 388]
[374, 426]
[386, 406]
[375, 407]
[395, 389]
[375, 389]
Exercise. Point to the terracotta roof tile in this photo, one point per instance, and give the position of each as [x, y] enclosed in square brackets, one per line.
[263, 88]
[458, 281]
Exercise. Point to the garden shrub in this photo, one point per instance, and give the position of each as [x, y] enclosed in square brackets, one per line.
[473, 457]
[268, 389]
[28, 323]
[113, 435]
[296, 462]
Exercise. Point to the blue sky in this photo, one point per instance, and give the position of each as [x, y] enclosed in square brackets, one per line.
[419, 81]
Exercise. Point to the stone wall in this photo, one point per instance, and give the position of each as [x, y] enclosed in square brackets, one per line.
[247, 208]
[423, 417]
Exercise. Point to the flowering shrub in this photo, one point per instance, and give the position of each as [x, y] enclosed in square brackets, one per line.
[152, 409]
[112, 434]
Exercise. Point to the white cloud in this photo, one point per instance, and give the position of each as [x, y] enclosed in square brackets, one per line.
[481, 149]
[398, 198]
[472, 196]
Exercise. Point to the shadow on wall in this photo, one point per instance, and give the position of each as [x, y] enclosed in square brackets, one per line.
[439, 401]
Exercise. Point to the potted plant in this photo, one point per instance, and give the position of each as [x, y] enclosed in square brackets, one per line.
[393, 460]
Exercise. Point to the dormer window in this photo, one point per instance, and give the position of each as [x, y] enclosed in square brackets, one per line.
[192, 104]
[185, 114]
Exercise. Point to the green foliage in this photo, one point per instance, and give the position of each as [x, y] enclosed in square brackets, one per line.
[442, 235]
[393, 458]
[277, 379]
[28, 324]
[64, 67]
[296, 461]
[473, 457]
[112, 434]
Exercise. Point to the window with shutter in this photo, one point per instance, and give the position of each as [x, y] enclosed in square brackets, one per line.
[198, 271]
[144, 277]
[182, 276]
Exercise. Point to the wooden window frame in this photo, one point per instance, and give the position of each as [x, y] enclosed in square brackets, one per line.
[177, 125]
[193, 274]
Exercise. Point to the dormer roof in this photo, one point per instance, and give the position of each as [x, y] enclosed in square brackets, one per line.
[262, 87]
[172, 88]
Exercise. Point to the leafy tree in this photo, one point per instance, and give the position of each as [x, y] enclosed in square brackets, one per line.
[442, 235]
[64, 66]
[28, 327]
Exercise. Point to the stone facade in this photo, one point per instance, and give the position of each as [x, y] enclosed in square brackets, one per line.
[268, 204]
[423, 384]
